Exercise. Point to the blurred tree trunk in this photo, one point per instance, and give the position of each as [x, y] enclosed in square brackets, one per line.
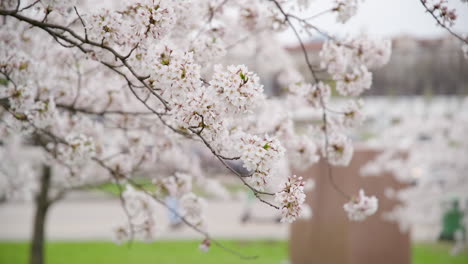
[42, 206]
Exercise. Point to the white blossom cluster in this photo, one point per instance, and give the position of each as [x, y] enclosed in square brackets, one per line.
[352, 114]
[354, 82]
[43, 113]
[258, 15]
[105, 27]
[372, 53]
[208, 48]
[237, 87]
[291, 199]
[154, 18]
[192, 207]
[179, 186]
[361, 207]
[314, 95]
[349, 62]
[346, 9]
[140, 208]
[440, 8]
[176, 185]
[302, 152]
[340, 149]
[259, 156]
[20, 98]
[150, 83]
[18, 179]
[174, 72]
[78, 149]
[141, 21]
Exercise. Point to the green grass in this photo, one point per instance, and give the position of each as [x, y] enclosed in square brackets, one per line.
[167, 252]
[186, 252]
[437, 254]
[114, 189]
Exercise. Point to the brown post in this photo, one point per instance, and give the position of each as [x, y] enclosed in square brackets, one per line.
[330, 238]
[42, 205]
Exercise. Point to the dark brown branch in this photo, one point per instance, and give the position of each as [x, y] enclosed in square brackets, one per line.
[318, 30]
[440, 23]
[82, 23]
[298, 37]
[48, 26]
[256, 192]
[29, 6]
[71, 108]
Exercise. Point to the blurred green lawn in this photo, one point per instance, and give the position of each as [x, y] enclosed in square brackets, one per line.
[169, 252]
[114, 190]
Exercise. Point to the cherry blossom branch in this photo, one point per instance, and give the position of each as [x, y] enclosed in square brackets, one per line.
[48, 28]
[71, 108]
[143, 101]
[308, 25]
[440, 23]
[322, 101]
[82, 22]
[188, 223]
[256, 192]
[28, 6]
[221, 158]
[75, 40]
[211, 16]
[123, 204]
[298, 37]
[329, 167]
[320, 14]
[78, 82]
[117, 176]
[175, 212]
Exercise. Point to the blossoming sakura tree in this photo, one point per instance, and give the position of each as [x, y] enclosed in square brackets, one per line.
[425, 148]
[101, 92]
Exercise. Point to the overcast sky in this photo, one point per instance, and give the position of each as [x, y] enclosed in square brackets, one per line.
[385, 18]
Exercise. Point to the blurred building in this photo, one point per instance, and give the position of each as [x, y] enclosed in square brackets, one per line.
[416, 67]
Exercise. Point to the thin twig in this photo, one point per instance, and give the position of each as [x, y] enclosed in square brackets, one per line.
[465, 40]
[322, 101]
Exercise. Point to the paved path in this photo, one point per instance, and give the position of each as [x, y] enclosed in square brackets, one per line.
[93, 218]
[77, 219]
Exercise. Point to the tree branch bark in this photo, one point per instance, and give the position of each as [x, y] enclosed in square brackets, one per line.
[42, 206]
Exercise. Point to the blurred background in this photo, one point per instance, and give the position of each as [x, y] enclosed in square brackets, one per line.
[427, 77]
